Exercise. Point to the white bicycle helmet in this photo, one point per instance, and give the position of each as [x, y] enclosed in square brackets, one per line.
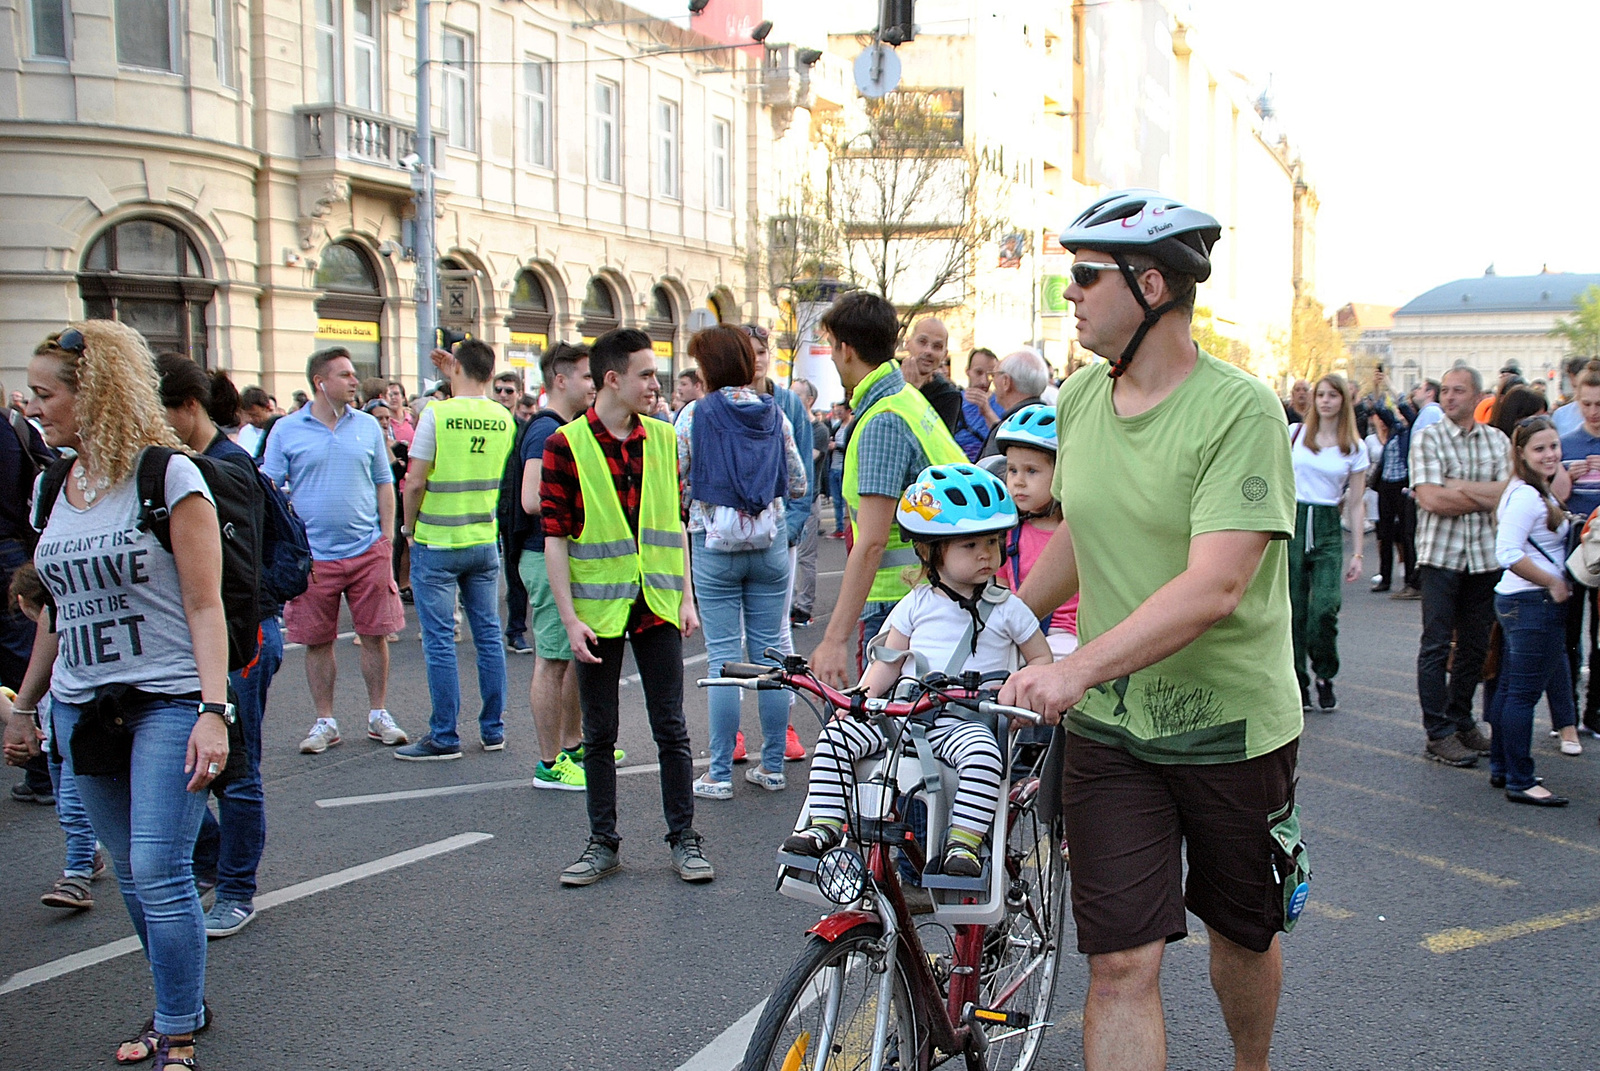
[1143, 221]
[1032, 425]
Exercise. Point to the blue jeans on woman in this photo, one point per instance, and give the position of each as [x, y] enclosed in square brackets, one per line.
[232, 849]
[74, 823]
[740, 596]
[836, 496]
[1534, 662]
[147, 819]
[436, 574]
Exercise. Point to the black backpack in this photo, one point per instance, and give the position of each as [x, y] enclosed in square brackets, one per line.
[241, 507]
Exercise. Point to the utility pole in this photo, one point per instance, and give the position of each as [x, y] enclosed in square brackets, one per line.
[422, 185]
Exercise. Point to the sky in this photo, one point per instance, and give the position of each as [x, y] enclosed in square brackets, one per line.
[1442, 136]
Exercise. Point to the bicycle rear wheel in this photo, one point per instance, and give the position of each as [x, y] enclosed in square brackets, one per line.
[1022, 953]
[829, 1001]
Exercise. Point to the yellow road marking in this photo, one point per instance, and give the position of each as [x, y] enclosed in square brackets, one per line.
[1410, 696]
[1434, 861]
[1375, 749]
[1464, 937]
[1462, 815]
[1404, 674]
[1328, 911]
[1367, 715]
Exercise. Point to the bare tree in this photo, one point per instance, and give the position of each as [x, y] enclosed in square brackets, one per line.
[913, 203]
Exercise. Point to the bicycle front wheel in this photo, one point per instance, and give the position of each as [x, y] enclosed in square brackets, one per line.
[823, 1015]
[1022, 953]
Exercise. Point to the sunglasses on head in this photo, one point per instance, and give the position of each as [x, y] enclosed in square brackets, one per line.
[756, 331]
[1084, 273]
[71, 339]
[1537, 418]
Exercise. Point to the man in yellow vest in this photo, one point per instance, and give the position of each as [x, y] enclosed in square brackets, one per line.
[618, 562]
[452, 486]
[895, 435]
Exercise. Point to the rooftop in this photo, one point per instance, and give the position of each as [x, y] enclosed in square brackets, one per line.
[1364, 316]
[1547, 291]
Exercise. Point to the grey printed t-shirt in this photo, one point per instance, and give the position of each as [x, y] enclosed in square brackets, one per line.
[119, 610]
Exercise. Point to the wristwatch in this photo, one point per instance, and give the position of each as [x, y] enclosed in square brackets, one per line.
[221, 710]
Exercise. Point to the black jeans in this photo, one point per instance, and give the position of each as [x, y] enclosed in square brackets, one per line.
[516, 594]
[1459, 606]
[1396, 530]
[658, 652]
[1581, 597]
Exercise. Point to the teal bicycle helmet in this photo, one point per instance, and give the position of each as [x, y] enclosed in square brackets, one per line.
[947, 501]
[1032, 425]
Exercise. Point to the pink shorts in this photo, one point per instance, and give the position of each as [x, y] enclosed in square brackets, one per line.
[367, 584]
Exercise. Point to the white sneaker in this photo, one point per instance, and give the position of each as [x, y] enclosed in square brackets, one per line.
[772, 782]
[707, 789]
[385, 731]
[324, 734]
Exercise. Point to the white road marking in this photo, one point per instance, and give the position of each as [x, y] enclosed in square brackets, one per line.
[88, 958]
[466, 790]
[726, 1051]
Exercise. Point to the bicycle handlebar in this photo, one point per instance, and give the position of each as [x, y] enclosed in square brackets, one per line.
[753, 677]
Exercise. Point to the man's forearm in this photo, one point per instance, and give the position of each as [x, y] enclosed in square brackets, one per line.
[1445, 501]
[1054, 577]
[415, 486]
[1484, 493]
[386, 508]
[859, 570]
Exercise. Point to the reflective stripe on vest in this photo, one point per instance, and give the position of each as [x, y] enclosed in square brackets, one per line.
[472, 437]
[938, 446]
[608, 565]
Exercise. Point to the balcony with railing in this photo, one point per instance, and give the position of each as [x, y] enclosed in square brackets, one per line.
[341, 134]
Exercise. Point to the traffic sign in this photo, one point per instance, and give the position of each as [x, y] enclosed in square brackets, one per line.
[877, 71]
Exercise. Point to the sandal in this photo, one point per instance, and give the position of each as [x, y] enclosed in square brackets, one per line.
[69, 892]
[164, 1057]
[149, 1039]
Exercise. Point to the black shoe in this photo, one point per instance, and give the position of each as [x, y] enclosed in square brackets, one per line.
[22, 793]
[798, 620]
[1305, 701]
[1552, 800]
[1382, 585]
[1326, 703]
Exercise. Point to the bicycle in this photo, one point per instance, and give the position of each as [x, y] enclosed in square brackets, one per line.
[865, 992]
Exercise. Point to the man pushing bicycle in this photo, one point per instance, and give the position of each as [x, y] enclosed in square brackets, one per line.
[1181, 708]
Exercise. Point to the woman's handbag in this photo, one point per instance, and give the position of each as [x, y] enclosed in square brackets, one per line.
[102, 742]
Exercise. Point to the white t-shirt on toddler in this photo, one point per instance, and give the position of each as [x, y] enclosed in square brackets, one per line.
[935, 624]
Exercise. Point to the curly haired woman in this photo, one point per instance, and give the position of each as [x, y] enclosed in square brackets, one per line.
[139, 671]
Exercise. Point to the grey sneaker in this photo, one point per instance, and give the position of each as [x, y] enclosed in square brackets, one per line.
[689, 858]
[1475, 739]
[324, 734]
[597, 861]
[1452, 752]
[228, 917]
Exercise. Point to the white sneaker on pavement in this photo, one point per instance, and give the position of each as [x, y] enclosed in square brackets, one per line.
[324, 734]
[383, 729]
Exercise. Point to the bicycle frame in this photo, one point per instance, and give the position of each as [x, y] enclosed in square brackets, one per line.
[948, 1029]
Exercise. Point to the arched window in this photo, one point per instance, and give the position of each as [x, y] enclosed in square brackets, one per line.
[662, 327]
[600, 310]
[529, 324]
[148, 274]
[350, 311]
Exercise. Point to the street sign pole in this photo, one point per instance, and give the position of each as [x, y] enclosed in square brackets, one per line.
[422, 185]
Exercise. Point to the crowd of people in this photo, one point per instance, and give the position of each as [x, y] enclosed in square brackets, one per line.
[618, 511]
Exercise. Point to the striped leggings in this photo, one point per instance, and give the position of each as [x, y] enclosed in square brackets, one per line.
[968, 746]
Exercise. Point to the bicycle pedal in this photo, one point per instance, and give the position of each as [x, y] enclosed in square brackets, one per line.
[1017, 1020]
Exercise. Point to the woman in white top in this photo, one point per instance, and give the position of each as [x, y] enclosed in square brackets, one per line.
[1330, 465]
[1530, 544]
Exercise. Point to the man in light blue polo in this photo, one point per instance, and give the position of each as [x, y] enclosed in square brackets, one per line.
[331, 460]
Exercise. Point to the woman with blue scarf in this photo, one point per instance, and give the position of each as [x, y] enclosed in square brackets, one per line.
[737, 462]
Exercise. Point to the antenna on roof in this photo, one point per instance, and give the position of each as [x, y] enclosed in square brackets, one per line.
[1490, 269]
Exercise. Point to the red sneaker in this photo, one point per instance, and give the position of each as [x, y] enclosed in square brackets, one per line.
[793, 750]
[738, 747]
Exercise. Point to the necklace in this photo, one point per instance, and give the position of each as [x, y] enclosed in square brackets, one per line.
[80, 477]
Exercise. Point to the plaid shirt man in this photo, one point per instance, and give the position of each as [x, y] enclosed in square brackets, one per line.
[890, 456]
[1442, 451]
[561, 496]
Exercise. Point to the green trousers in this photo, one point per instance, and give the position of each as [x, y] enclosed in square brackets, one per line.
[1316, 576]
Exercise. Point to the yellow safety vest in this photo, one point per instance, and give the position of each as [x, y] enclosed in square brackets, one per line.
[609, 563]
[937, 445]
[472, 437]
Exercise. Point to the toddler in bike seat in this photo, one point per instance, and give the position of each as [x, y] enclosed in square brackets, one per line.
[957, 517]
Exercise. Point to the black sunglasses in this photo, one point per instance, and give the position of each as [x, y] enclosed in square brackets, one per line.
[505, 390]
[71, 339]
[1537, 418]
[1084, 273]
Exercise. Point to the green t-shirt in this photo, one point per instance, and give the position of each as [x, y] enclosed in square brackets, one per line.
[1212, 456]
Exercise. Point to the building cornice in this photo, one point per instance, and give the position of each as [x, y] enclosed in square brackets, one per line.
[95, 138]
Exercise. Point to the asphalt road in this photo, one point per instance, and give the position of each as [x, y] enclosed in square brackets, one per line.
[1447, 927]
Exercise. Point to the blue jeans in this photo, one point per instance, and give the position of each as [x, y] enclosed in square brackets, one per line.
[1535, 663]
[436, 574]
[74, 822]
[836, 496]
[232, 850]
[741, 596]
[147, 819]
